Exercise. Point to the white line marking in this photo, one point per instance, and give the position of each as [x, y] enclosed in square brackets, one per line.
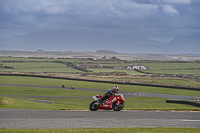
[191, 120]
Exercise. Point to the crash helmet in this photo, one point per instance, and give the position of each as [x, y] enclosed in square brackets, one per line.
[115, 89]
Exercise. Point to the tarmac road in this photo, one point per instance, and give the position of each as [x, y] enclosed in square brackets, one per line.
[32, 118]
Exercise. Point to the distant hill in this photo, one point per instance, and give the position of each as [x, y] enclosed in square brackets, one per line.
[66, 40]
[106, 52]
[185, 44]
[186, 40]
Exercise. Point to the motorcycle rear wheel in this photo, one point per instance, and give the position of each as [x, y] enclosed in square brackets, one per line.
[118, 107]
[94, 106]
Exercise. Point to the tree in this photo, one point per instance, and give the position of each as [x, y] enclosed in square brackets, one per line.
[1, 65]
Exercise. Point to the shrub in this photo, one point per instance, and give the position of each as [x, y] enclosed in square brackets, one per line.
[6, 101]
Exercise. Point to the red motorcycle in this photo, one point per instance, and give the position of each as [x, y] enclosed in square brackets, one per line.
[113, 102]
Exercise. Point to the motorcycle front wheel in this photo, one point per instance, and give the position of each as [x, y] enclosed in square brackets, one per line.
[94, 106]
[118, 107]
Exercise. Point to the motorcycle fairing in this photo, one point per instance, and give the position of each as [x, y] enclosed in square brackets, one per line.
[108, 104]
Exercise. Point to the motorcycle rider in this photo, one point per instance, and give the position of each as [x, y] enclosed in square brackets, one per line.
[110, 92]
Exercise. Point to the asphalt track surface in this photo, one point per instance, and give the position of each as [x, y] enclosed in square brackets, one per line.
[34, 118]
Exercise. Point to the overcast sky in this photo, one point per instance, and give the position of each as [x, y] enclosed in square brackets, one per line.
[158, 19]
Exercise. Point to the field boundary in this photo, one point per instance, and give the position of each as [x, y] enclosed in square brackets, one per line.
[184, 102]
[101, 81]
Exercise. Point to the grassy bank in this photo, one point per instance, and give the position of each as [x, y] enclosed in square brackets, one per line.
[84, 84]
[136, 103]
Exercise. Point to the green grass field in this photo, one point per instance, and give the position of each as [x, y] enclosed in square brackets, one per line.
[48, 66]
[95, 85]
[131, 72]
[164, 67]
[44, 70]
[39, 67]
[163, 81]
[138, 103]
[172, 65]
[40, 59]
[192, 71]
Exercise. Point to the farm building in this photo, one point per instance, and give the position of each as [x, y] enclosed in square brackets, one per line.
[136, 67]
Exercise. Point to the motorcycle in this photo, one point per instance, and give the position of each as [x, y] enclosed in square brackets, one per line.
[113, 102]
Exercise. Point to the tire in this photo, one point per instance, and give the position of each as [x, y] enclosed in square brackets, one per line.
[118, 107]
[93, 106]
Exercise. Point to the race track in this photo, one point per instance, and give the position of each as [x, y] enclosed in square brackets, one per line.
[34, 118]
[24, 118]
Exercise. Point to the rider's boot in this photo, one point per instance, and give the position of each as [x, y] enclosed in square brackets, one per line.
[101, 101]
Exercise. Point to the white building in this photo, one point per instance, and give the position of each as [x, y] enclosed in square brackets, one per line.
[139, 67]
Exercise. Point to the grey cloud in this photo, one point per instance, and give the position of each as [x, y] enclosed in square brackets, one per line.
[186, 2]
[141, 16]
[169, 9]
[80, 10]
[175, 1]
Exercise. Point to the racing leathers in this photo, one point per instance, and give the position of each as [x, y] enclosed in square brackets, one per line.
[107, 95]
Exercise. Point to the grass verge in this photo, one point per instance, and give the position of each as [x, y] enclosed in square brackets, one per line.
[137, 103]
